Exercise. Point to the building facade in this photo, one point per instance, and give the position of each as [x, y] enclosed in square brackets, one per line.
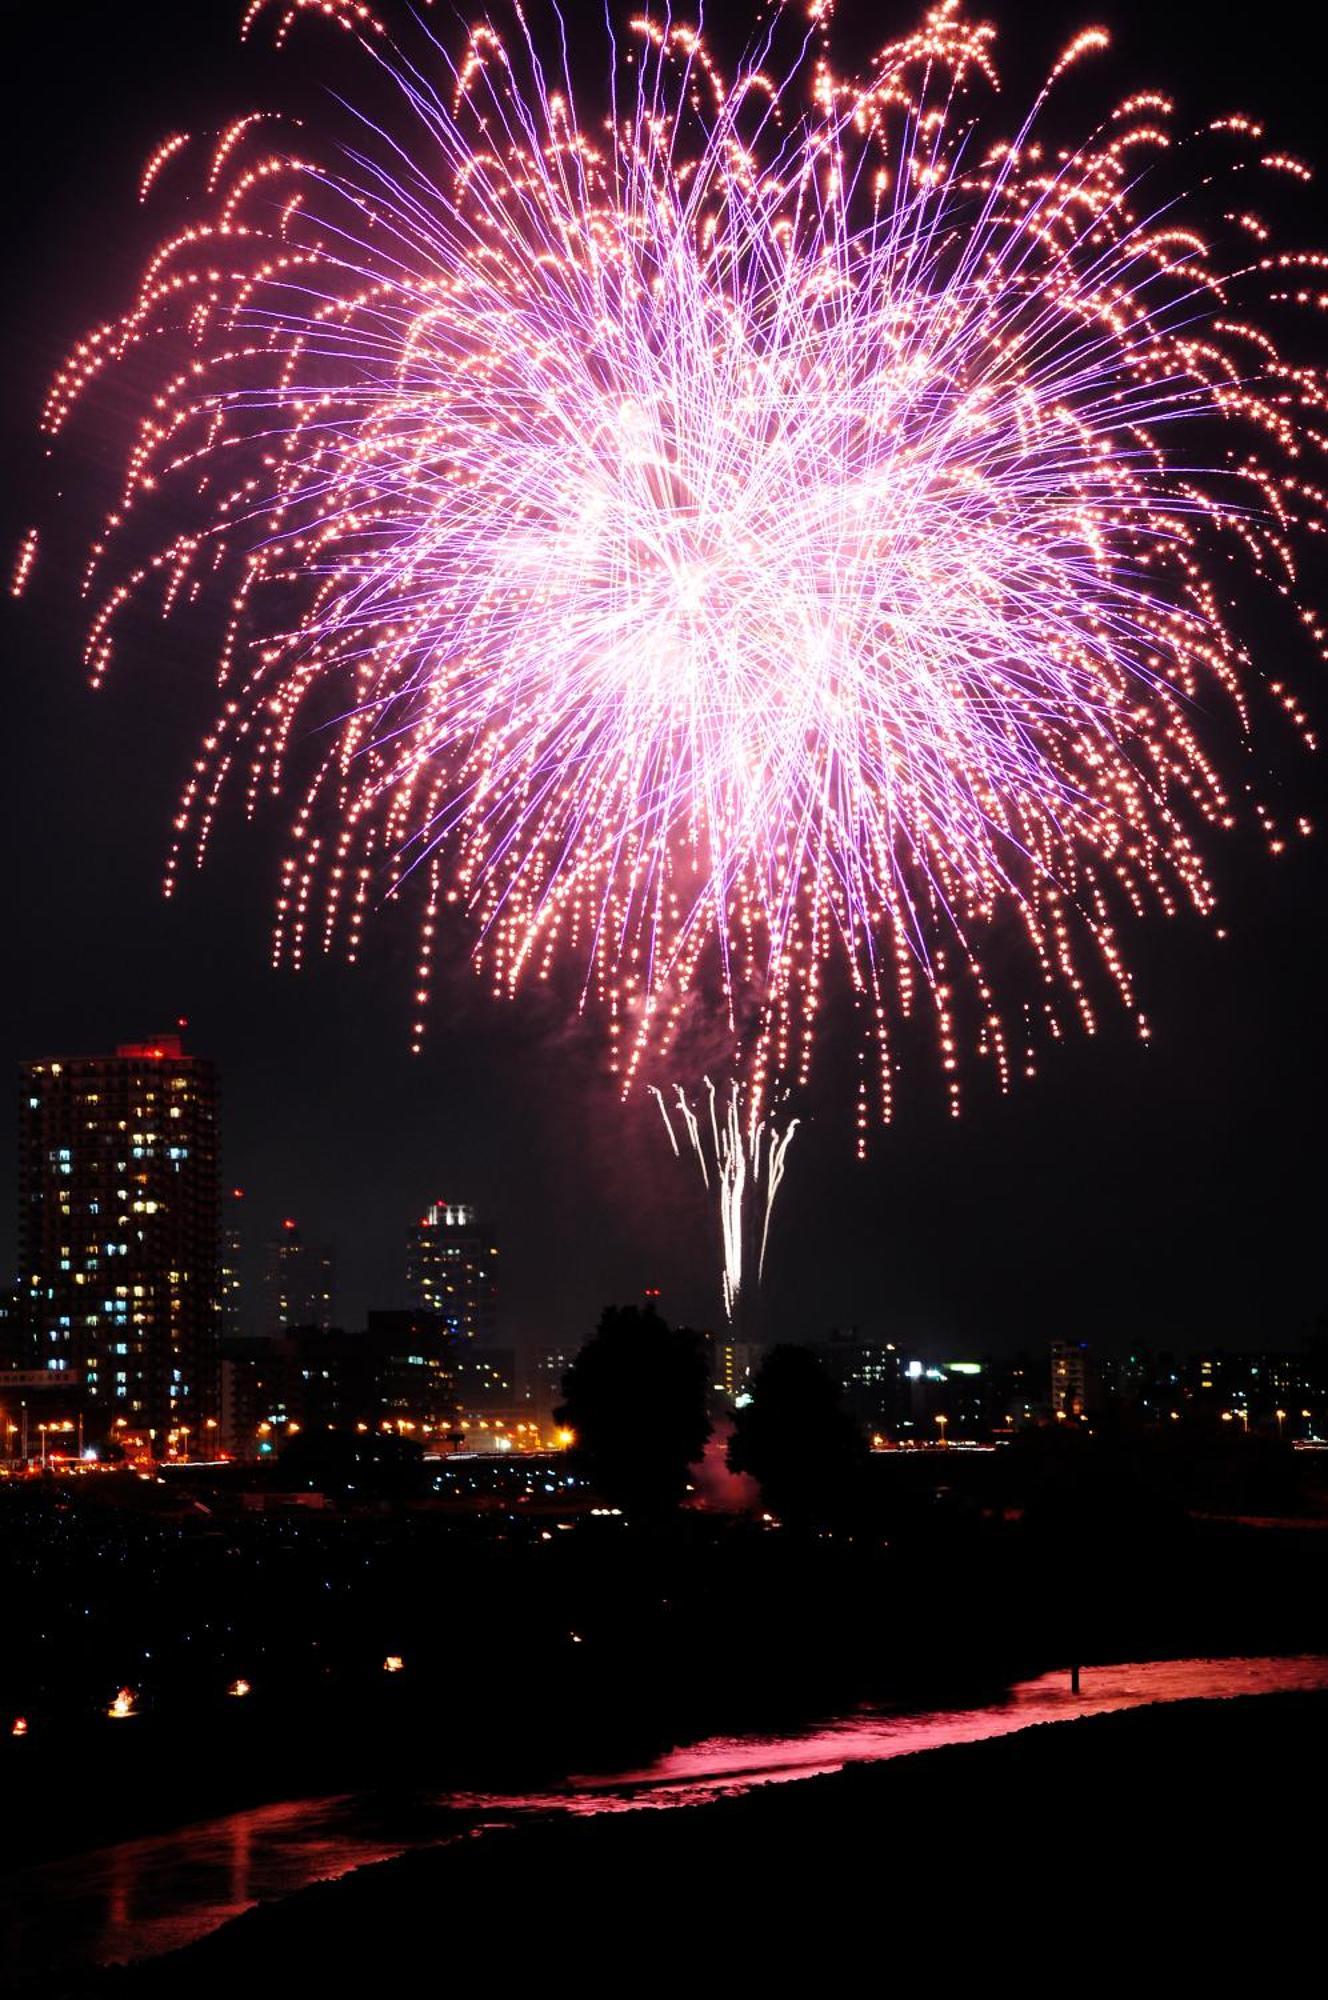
[1069, 1379]
[732, 1365]
[452, 1270]
[233, 1300]
[119, 1235]
[298, 1281]
[868, 1374]
[399, 1372]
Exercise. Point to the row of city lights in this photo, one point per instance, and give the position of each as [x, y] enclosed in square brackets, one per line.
[523, 1436]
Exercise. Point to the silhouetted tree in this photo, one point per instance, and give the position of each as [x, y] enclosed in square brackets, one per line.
[636, 1401]
[797, 1441]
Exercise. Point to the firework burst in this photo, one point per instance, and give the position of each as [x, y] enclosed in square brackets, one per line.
[777, 532]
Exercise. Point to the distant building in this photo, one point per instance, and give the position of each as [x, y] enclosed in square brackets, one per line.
[232, 1264]
[1130, 1380]
[14, 1344]
[732, 1365]
[119, 1228]
[298, 1282]
[1016, 1391]
[399, 1372]
[951, 1400]
[542, 1379]
[486, 1380]
[1069, 1378]
[413, 1368]
[452, 1270]
[869, 1375]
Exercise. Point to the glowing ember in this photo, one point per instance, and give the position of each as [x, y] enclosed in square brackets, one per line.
[23, 564]
[125, 1704]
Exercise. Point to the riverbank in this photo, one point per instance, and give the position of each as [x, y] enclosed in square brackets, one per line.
[532, 1650]
[1185, 1831]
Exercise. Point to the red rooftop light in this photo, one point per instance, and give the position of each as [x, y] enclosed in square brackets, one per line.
[163, 1048]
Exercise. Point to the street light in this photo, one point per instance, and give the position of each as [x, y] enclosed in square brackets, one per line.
[943, 1421]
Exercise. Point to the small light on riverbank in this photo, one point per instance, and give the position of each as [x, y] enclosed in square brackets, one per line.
[238, 1688]
[124, 1705]
[19, 1726]
[393, 1663]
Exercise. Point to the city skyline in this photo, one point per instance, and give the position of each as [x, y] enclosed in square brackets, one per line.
[114, 1352]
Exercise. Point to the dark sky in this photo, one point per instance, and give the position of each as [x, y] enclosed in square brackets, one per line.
[1173, 1192]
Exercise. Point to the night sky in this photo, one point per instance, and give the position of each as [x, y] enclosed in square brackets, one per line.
[1172, 1192]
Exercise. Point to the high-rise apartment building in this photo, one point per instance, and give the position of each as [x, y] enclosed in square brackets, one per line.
[1069, 1378]
[452, 1270]
[232, 1265]
[732, 1364]
[119, 1234]
[298, 1281]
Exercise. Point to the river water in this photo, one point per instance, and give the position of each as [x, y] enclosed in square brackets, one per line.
[143, 1897]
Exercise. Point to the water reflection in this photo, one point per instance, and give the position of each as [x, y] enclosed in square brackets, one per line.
[724, 1766]
[148, 1896]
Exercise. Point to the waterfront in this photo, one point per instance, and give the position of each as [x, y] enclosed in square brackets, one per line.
[139, 1899]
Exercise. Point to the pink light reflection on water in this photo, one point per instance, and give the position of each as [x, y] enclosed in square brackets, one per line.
[726, 1766]
[144, 1897]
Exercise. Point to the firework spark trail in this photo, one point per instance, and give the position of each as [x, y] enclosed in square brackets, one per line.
[767, 544]
[747, 1155]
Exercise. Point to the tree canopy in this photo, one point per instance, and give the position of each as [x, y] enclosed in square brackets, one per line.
[797, 1441]
[636, 1403]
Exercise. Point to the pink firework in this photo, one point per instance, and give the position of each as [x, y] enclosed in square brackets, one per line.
[772, 536]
